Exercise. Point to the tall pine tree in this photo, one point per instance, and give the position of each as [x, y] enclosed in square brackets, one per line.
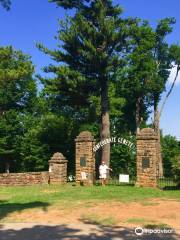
[91, 48]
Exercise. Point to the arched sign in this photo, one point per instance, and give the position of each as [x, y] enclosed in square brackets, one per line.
[113, 140]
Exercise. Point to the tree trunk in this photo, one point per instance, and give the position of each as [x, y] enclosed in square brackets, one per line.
[105, 122]
[138, 101]
[157, 130]
[171, 88]
[157, 119]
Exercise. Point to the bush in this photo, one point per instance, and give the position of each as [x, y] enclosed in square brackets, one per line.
[176, 169]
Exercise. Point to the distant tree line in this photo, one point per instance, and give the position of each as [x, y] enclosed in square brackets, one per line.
[108, 73]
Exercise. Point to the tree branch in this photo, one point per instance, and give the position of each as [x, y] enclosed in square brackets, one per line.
[170, 90]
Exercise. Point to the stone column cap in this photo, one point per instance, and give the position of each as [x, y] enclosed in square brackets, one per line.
[147, 133]
[58, 158]
[85, 136]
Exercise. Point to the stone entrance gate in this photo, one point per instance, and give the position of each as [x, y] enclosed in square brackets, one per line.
[147, 158]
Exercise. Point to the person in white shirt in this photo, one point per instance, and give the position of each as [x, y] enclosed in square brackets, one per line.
[103, 172]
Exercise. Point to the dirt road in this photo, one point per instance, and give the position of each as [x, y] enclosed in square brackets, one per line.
[83, 231]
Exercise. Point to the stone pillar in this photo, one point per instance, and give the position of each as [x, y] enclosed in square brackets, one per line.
[147, 158]
[85, 158]
[58, 169]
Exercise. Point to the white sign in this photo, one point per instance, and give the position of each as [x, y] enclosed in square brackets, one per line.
[50, 168]
[83, 176]
[124, 178]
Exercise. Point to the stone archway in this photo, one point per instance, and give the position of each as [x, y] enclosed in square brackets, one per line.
[86, 148]
[147, 158]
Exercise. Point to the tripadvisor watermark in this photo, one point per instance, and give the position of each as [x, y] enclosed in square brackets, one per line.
[113, 140]
[140, 231]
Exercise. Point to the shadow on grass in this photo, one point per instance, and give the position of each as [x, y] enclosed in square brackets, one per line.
[81, 231]
[171, 188]
[7, 208]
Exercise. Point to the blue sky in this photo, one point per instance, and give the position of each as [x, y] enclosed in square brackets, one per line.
[32, 21]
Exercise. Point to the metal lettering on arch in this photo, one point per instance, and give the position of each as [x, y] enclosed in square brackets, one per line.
[113, 140]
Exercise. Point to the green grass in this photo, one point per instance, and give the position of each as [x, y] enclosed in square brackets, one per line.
[52, 194]
[16, 199]
[147, 223]
[149, 203]
[95, 219]
[157, 226]
[139, 221]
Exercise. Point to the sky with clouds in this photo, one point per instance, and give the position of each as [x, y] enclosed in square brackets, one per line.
[173, 75]
[32, 21]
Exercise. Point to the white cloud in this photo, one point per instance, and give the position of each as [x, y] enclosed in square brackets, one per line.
[172, 76]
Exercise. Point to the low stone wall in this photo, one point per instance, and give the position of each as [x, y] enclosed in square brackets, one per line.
[57, 174]
[21, 179]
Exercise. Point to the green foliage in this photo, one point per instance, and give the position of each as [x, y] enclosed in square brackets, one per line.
[123, 158]
[17, 88]
[144, 77]
[32, 152]
[162, 58]
[61, 194]
[96, 47]
[96, 50]
[136, 77]
[9, 127]
[69, 4]
[6, 4]
[17, 95]
[176, 168]
[91, 44]
[170, 155]
[175, 54]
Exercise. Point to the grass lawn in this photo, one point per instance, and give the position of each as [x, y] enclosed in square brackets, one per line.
[68, 193]
[17, 199]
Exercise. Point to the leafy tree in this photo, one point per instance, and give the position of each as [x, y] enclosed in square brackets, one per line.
[7, 131]
[146, 73]
[31, 153]
[17, 93]
[69, 4]
[17, 87]
[163, 61]
[175, 59]
[91, 46]
[148, 67]
[140, 66]
[6, 4]
[123, 158]
[56, 132]
[176, 169]
[174, 56]
[170, 154]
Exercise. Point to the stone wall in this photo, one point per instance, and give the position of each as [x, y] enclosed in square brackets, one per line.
[57, 174]
[147, 158]
[85, 158]
[20, 179]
